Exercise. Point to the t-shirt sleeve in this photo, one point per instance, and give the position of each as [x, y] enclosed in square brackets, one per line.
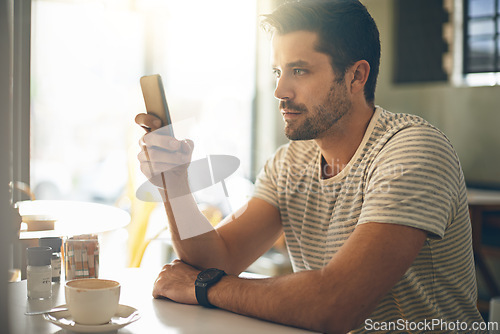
[414, 181]
[266, 183]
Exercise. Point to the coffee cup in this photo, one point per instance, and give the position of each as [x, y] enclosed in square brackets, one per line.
[92, 301]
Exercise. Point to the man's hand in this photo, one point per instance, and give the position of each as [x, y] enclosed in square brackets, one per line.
[160, 153]
[176, 282]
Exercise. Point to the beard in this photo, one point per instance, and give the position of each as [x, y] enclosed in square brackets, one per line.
[322, 117]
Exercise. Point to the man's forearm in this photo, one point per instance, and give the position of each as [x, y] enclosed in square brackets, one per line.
[202, 250]
[336, 298]
[299, 300]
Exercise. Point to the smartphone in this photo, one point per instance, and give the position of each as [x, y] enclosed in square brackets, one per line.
[156, 102]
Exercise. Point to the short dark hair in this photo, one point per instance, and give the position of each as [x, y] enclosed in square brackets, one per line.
[346, 32]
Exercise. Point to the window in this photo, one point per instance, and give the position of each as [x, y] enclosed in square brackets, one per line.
[87, 58]
[481, 31]
[481, 43]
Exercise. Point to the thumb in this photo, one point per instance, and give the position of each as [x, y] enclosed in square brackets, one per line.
[187, 146]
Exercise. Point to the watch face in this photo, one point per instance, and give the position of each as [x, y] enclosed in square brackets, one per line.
[209, 274]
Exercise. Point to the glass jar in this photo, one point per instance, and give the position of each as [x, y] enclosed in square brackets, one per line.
[81, 257]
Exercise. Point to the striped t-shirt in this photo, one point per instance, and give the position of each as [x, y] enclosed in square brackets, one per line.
[405, 171]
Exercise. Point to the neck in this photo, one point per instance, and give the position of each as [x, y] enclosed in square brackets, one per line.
[339, 145]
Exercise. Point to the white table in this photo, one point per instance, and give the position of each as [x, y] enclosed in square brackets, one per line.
[73, 217]
[157, 315]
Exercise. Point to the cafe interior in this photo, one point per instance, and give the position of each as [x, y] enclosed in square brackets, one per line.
[70, 91]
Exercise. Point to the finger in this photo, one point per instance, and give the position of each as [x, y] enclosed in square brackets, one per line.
[167, 157]
[160, 282]
[142, 156]
[187, 146]
[141, 141]
[157, 289]
[148, 121]
[146, 129]
[156, 139]
[161, 140]
[161, 156]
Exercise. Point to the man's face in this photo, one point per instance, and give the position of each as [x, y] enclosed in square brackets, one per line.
[312, 99]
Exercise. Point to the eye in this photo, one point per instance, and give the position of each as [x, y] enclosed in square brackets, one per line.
[277, 73]
[299, 71]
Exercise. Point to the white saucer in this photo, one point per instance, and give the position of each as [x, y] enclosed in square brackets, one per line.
[124, 316]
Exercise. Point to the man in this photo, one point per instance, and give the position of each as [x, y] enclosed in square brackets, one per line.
[373, 204]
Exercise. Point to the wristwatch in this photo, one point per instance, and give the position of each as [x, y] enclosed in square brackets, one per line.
[206, 279]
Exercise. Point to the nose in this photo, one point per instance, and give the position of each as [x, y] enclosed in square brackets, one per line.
[284, 90]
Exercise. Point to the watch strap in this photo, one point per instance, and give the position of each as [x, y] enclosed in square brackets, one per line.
[202, 285]
[201, 290]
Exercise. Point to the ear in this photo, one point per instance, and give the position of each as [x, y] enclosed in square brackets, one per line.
[359, 74]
